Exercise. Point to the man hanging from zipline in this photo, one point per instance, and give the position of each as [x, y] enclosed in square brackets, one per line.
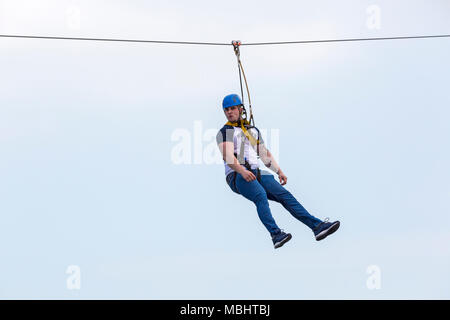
[240, 144]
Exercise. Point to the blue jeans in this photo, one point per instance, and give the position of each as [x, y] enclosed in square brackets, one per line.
[259, 192]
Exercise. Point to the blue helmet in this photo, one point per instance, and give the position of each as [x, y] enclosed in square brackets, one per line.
[231, 100]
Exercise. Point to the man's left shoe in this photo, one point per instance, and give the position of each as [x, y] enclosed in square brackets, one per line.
[280, 238]
[325, 228]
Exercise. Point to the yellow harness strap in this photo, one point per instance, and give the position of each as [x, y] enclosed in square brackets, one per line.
[252, 140]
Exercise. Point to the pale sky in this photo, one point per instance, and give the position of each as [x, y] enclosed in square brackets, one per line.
[88, 177]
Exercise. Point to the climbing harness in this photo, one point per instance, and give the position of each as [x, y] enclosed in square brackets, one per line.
[244, 124]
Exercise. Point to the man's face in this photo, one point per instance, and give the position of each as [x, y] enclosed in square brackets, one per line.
[232, 113]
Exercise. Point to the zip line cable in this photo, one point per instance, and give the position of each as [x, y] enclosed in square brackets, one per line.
[115, 40]
[224, 44]
[235, 44]
[345, 40]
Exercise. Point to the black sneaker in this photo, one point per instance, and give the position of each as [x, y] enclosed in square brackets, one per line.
[325, 228]
[280, 238]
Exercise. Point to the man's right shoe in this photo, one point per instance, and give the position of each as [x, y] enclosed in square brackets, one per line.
[325, 228]
[280, 238]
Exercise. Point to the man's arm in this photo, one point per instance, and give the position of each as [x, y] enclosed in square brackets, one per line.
[269, 161]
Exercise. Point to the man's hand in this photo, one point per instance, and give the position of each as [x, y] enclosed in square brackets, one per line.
[248, 175]
[282, 177]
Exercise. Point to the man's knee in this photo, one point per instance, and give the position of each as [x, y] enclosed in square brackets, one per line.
[282, 195]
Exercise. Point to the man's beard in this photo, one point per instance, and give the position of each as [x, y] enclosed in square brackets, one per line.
[238, 119]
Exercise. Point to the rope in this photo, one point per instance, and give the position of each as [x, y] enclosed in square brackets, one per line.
[224, 44]
[251, 120]
[116, 40]
[236, 45]
[236, 51]
[344, 40]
